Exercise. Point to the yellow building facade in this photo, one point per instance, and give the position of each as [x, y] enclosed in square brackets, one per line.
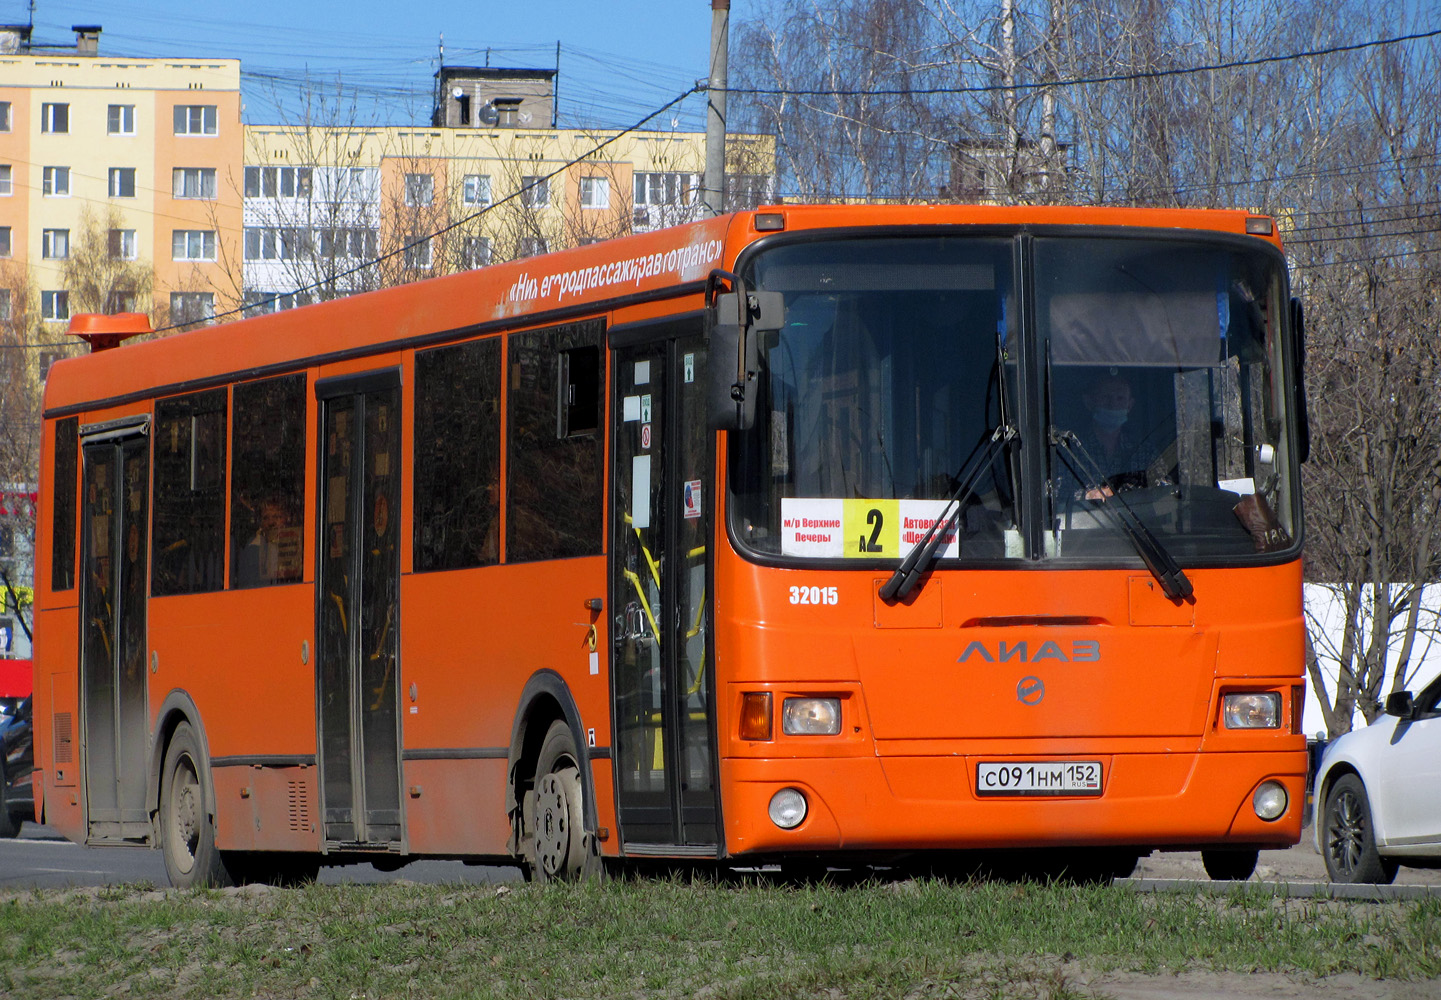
[117, 172]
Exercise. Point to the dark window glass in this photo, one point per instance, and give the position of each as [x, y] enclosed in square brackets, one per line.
[554, 481]
[189, 531]
[578, 410]
[457, 456]
[62, 522]
[267, 481]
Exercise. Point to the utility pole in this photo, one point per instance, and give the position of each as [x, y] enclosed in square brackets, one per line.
[714, 183]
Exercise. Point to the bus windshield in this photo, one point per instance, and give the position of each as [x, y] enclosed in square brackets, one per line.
[1155, 384]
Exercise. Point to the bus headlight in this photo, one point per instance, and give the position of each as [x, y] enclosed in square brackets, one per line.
[788, 808]
[1270, 800]
[1252, 710]
[811, 716]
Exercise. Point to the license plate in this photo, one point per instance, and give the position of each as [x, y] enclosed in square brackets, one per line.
[1039, 777]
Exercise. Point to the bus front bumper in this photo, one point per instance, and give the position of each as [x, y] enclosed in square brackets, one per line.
[897, 803]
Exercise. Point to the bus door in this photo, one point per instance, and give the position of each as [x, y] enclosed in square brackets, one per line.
[662, 683]
[358, 614]
[114, 547]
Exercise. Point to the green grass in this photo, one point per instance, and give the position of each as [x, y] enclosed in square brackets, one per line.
[637, 939]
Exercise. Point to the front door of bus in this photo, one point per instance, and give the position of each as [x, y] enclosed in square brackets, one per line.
[358, 589]
[114, 540]
[662, 684]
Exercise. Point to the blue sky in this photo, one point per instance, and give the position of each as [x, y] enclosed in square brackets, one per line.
[618, 60]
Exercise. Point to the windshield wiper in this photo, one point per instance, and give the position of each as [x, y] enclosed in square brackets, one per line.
[1163, 566]
[919, 559]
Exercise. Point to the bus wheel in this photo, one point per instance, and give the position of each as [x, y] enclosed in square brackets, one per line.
[561, 850]
[187, 835]
[1233, 866]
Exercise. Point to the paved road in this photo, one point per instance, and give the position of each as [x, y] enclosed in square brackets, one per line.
[38, 858]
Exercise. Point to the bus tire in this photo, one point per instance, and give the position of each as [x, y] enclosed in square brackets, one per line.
[187, 832]
[561, 850]
[1229, 866]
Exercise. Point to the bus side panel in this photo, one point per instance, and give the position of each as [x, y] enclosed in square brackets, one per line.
[57, 720]
[225, 648]
[241, 657]
[471, 640]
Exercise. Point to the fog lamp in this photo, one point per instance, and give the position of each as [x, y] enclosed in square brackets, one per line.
[788, 808]
[1252, 710]
[1270, 800]
[811, 716]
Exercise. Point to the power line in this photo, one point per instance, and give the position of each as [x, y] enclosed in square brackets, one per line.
[537, 182]
[1153, 74]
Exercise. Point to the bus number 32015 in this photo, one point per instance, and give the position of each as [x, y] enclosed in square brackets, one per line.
[815, 595]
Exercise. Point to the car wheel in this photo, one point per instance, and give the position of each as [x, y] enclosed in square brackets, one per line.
[1229, 866]
[1350, 839]
[187, 833]
[9, 823]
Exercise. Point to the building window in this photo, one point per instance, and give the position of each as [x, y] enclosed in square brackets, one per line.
[55, 244]
[4, 305]
[349, 183]
[477, 189]
[122, 182]
[275, 182]
[535, 191]
[55, 118]
[418, 256]
[55, 182]
[195, 119]
[4, 241]
[665, 188]
[4, 116]
[191, 307]
[122, 244]
[475, 252]
[55, 306]
[120, 120]
[192, 244]
[7, 179]
[120, 300]
[193, 182]
[259, 303]
[419, 189]
[530, 246]
[594, 192]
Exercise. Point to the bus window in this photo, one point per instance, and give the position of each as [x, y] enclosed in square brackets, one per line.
[883, 380]
[62, 523]
[554, 488]
[267, 486]
[189, 508]
[457, 456]
[1162, 357]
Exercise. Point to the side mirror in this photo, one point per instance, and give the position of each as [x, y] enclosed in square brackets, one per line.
[734, 354]
[1303, 420]
[1400, 704]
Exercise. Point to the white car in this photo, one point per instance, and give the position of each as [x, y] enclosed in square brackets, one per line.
[1378, 792]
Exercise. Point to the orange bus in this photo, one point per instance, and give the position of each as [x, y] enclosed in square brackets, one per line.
[801, 535]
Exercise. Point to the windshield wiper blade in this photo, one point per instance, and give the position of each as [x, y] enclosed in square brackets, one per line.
[919, 559]
[1163, 566]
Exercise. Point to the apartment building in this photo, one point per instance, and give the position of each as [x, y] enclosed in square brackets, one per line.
[124, 164]
[490, 179]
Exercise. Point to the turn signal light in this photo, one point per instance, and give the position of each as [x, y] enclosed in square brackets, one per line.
[756, 715]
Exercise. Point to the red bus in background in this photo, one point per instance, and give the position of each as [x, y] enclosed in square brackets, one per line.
[808, 534]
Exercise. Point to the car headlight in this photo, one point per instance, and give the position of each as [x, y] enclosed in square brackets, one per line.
[1252, 710]
[811, 716]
